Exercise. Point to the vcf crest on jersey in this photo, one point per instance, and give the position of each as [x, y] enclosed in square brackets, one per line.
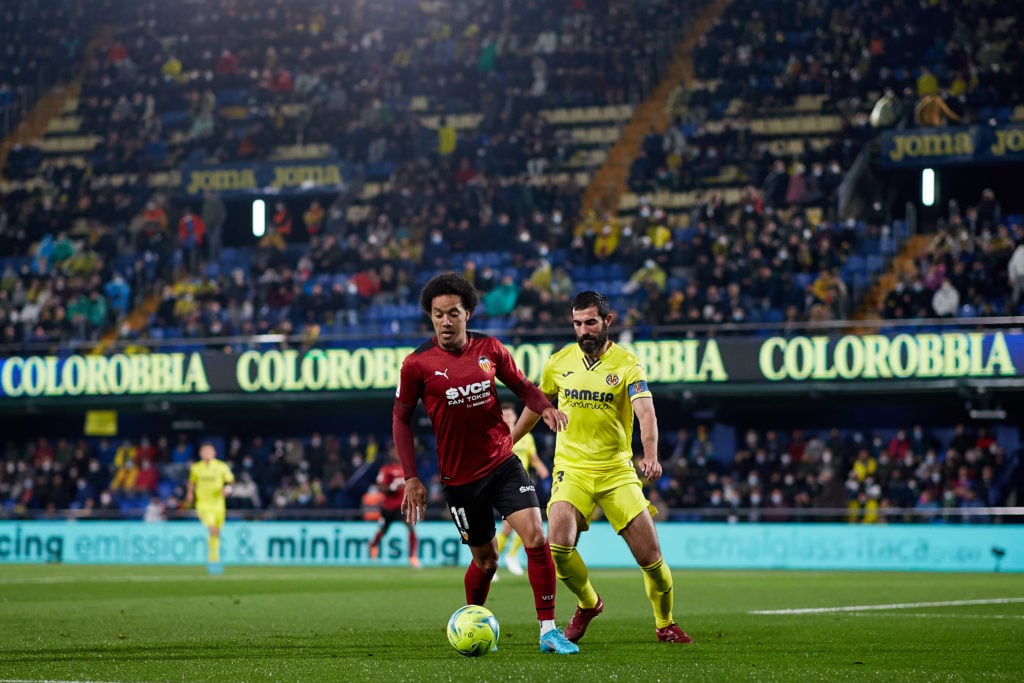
[612, 380]
[485, 364]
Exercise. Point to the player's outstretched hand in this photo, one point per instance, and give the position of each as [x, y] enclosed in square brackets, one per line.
[415, 501]
[555, 419]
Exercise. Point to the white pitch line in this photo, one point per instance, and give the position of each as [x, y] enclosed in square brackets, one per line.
[925, 615]
[35, 680]
[899, 605]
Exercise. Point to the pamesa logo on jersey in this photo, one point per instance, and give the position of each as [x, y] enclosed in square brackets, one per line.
[587, 395]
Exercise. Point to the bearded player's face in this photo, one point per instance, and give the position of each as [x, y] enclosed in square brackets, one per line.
[591, 330]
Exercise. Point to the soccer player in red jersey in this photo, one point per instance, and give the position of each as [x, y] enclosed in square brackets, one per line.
[391, 484]
[454, 374]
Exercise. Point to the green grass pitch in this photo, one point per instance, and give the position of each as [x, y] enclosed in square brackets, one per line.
[124, 623]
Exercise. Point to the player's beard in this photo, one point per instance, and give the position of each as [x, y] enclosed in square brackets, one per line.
[593, 344]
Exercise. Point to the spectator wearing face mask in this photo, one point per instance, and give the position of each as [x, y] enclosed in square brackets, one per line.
[945, 300]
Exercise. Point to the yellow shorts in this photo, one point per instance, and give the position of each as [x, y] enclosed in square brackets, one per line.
[619, 493]
[211, 515]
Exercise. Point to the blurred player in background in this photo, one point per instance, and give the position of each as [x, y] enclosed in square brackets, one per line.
[526, 449]
[209, 484]
[455, 374]
[391, 484]
[603, 389]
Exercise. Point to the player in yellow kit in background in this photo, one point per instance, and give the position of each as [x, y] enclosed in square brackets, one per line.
[526, 449]
[603, 390]
[209, 484]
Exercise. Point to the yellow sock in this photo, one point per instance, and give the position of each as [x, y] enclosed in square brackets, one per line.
[515, 545]
[502, 540]
[658, 585]
[572, 570]
[214, 549]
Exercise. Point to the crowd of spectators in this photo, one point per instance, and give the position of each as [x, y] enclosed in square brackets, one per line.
[905, 65]
[232, 83]
[769, 55]
[763, 268]
[227, 83]
[971, 267]
[128, 476]
[64, 276]
[907, 474]
[43, 42]
[857, 476]
[379, 84]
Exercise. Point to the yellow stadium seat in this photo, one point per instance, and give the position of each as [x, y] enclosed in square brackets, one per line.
[165, 179]
[731, 195]
[757, 126]
[64, 124]
[628, 201]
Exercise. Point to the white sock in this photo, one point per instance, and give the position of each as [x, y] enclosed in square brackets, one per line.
[547, 625]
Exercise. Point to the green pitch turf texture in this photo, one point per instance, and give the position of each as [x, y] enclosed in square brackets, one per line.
[99, 623]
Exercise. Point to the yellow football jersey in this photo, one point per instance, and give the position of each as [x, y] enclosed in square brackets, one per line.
[209, 479]
[597, 397]
[525, 448]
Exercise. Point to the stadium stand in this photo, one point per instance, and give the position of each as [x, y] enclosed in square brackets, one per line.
[474, 134]
[900, 474]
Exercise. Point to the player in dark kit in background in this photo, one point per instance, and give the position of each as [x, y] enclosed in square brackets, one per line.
[391, 484]
[454, 374]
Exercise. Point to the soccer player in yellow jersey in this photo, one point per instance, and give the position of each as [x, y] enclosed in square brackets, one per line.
[602, 388]
[209, 483]
[526, 449]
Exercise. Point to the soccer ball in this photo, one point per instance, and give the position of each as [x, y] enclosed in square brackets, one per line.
[473, 631]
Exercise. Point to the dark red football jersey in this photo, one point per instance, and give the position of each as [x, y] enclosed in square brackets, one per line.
[460, 395]
[391, 483]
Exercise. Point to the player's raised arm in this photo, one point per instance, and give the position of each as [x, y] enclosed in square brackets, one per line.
[524, 425]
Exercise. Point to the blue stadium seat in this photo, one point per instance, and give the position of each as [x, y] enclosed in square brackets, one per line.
[233, 96]
[616, 271]
[855, 264]
[409, 312]
[175, 119]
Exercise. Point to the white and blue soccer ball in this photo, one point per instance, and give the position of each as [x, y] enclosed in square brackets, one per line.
[473, 631]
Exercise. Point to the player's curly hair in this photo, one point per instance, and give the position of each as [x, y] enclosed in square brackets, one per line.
[449, 283]
[591, 298]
